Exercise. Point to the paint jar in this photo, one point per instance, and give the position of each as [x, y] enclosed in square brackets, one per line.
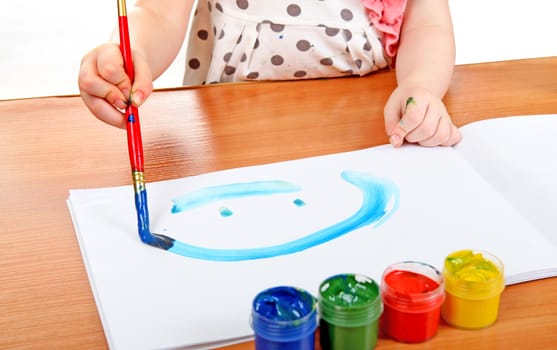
[284, 318]
[412, 294]
[474, 281]
[349, 306]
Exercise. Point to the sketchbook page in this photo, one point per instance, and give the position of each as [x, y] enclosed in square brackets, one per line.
[518, 157]
[307, 220]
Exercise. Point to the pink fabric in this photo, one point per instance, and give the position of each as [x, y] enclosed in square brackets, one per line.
[387, 16]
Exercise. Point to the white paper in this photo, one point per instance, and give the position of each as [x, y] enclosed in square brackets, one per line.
[518, 157]
[149, 298]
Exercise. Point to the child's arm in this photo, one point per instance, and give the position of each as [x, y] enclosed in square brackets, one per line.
[424, 67]
[157, 30]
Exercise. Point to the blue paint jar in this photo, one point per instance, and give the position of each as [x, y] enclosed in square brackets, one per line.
[284, 318]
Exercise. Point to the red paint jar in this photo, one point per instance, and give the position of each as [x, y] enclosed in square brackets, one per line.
[412, 294]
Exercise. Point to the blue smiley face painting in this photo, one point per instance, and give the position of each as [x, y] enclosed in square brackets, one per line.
[379, 200]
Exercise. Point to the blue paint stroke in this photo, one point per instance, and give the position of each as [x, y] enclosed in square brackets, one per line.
[298, 202]
[236, 190]
[380, 201]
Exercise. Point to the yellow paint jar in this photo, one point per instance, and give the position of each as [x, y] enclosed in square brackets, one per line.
[474, 281]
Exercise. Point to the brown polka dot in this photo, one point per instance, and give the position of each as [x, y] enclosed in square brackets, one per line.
[194, 63]
[242, 4]
[346, 14]
[277, 60]
[258, 27]
[303, 45]
[331, 31]
[218, 6]
[239, 39]
[256, 45]
[221, 35]
[358, 63]
[229, 70]
[215, 30]
[243, 58]
[202, 34]
[277, 28]
[227, 56]
[300, 74]
[350, 71]
[253, 75]
[346, 34]
[326, 61]
[367, 46]
[293, 10]
[209, 6]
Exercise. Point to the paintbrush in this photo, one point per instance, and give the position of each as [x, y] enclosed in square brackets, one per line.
[135, 146]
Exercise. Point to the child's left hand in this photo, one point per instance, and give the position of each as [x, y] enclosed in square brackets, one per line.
[417, 116]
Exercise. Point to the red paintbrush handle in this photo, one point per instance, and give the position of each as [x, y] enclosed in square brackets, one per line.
[125, 46]
[135, 145]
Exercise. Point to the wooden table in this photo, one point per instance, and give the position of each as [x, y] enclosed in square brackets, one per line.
[50, 145]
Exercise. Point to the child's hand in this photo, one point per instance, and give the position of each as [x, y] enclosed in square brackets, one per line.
[106, 89]
[417, 116]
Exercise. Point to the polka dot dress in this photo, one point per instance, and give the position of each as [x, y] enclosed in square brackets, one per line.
[239, 40]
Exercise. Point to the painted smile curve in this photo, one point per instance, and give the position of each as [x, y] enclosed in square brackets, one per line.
[380, 201]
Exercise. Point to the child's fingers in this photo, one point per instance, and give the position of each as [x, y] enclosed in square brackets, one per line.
[412, 117]
[455, 136]
[440, 134]
[445, 134]
[104, 111]
[90, 83]
[418, 117]
[110, 67]
[392, 112]
[143, 82]
[433, 127]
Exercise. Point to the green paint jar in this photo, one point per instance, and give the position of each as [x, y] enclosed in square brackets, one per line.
[349, 306]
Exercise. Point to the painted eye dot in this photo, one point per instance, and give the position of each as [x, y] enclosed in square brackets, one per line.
[225, 212]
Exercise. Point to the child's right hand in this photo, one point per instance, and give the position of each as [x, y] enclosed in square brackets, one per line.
[106, 89]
